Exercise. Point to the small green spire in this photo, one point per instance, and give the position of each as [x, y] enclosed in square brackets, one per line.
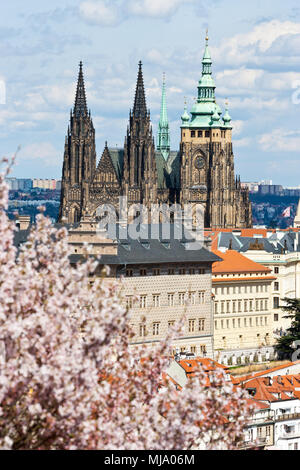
[227, 117]
[185, 118]
[163, 135]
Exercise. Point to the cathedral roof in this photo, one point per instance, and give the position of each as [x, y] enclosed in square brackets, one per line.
[117, 157]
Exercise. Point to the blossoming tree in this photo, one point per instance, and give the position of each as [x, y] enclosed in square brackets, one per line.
[68, 379]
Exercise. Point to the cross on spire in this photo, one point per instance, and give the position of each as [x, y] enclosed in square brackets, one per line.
[80, 106]
[139, 107]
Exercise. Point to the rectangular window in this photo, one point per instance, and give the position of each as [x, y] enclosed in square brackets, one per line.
[192, 133]
[201, 324]
[142, 329]
[193, 349]
[276, 286]
[276, 270]
[171, 300]
[216, 307]
[228, 307]
[192, 326]
[171, 323]
[199, 133]
[129, 272]
[156, 272]
[276, 302]
[234, 306]
[222, 307]
[206, 133]
[203, 350]
[202, 297]
[192, 271]
[181, 297]
[143, 272]
[155, 329]
[129, 301]
[143, 301]
[182, 271]
[155, 300]
[192, 298]
[171, 272]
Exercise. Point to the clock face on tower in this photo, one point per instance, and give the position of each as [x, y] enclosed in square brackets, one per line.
[199, 163]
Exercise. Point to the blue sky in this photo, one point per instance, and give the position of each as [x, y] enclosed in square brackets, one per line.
[255, 47]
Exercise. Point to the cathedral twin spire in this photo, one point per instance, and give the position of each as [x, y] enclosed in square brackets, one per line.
[139, 107]
[80, 106]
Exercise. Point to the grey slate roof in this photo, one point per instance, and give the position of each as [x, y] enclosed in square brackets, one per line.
[156, 251]
[117, 157]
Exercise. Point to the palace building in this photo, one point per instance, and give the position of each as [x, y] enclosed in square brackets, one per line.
[200, 172]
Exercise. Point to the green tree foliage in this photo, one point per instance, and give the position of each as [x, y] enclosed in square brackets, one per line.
[284, 346]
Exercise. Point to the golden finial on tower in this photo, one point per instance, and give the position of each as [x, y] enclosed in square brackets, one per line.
[206, 35]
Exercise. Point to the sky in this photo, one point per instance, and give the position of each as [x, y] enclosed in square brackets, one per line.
[255, 48]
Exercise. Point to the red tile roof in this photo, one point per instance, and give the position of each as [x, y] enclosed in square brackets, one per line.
[234, 262]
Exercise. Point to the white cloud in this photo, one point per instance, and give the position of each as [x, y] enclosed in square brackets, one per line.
[242, 142]
[45, 152]
[237, 127]
[112, 13]
[256, 46]
[155, 8]
[280, 140]
[101, 12]
[241, 78]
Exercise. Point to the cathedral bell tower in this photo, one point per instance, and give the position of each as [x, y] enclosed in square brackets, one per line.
[79, 162]
[140, 174]
[207, 161]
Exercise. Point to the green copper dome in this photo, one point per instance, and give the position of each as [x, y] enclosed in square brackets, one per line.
[206, 112]
[227, 117]
[185, 118]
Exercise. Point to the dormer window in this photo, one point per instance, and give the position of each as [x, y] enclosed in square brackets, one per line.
[193, 133]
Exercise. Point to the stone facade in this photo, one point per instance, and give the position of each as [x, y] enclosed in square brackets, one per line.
[160, 283]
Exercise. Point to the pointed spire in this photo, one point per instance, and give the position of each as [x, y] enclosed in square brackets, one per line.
[163, 136]
[139, 107]
[80, 106]
[163, 110]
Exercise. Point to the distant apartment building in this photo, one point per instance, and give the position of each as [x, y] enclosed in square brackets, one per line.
[44, 183]
[19, 184]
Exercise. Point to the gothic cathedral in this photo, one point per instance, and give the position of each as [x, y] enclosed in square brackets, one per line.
[201, 172]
